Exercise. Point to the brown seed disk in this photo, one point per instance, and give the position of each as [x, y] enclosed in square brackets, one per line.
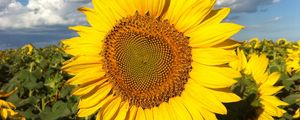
[147, 60]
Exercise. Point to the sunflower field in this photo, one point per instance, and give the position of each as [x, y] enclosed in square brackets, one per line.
[152, 60]
[38, 88]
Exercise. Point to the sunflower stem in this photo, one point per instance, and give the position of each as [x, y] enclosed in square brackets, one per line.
[43, 104]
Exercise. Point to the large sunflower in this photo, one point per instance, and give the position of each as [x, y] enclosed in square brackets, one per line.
[153, 59]
[255, 70]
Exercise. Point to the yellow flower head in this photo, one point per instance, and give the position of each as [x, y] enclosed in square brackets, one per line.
[292, 60]
[145, 59]
[256, 67]
[29, 47]
[6, 108]
[282, 41]
[255, 42]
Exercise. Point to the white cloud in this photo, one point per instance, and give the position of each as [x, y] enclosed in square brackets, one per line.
[4, 3]
[276, 18]
[14, 15]
[244, 5]
[276, 1]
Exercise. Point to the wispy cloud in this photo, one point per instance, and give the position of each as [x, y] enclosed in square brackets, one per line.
[245, 5]
[277, 18]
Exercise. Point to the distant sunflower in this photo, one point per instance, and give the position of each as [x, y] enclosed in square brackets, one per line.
[29, 48]
[256, 68]
[282, 41]
[153, 59]
[7, 108]
[292, 60]
[255, 42]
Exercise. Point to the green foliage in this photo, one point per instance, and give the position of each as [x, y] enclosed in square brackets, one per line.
[42, 92]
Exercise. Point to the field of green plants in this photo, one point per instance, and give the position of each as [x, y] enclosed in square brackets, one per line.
[41, 93]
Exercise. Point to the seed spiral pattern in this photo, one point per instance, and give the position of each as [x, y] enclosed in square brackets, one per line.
[147, 60]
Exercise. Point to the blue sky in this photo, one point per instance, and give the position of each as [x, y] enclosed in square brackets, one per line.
[273, 21]
[45, 22]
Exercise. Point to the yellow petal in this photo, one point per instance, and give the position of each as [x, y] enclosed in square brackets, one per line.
[87, 76]
[77, 42]
[186, 14]
[213, 56]
[5, 104]
[176, 9]
[140, 115]
[156, 113]
[228, 44]
[214, 17]
[93, 98]
[149, 114]
[123, 111]
[82, 60]
[269, 90]
[173, 115]
[193, 109]
[271, 109]
[273, 100]
[272, 79]
[297, 113]
[129, 6]
[205, 98]
[111, 109]
[207, 115]
[131, 115]
[3, 113]
[208, 36]
[226, 95]
[265, 116]
[257, 70]
[222, 76]
[154, 7]
[76, 69]
[83, 50]
[89, 33]
[99, 115]
[89, 38]
[97, 20]
[84, 89]
[187, 99]
[109, 9]
[180, 110]
[89, 111]
[164, 112]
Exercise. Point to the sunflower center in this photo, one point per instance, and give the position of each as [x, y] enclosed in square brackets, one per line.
[147, 60]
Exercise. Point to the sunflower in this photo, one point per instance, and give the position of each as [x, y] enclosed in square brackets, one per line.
[261, 82]
[255, 42]
[282, 41]
[292, 60]
[6, 108]
[29, 48]
[153, 59]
